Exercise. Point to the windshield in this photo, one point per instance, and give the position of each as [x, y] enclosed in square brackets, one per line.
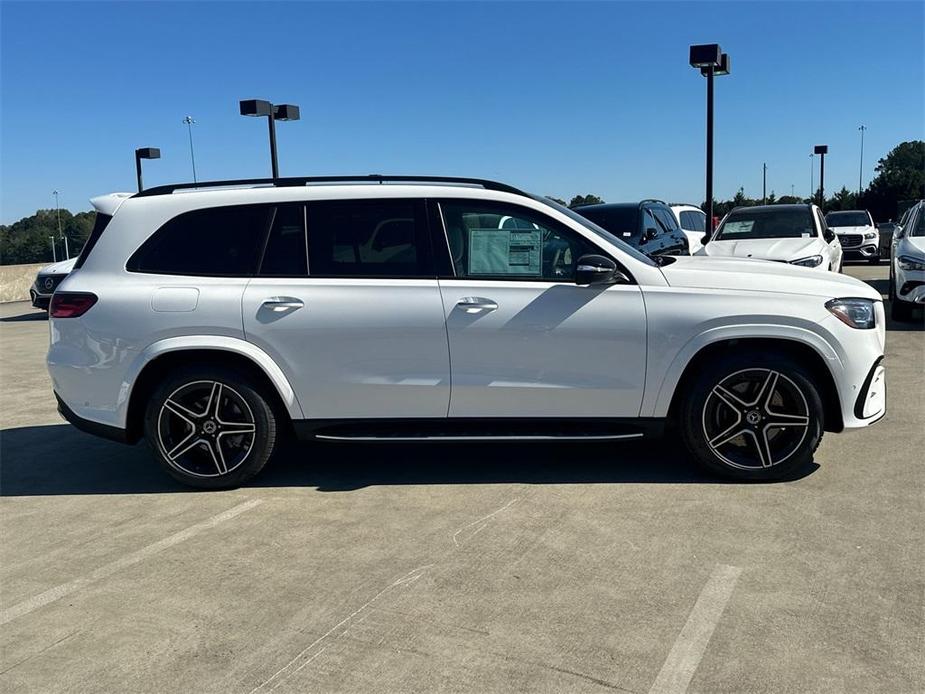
[766, 223]
[603, 233]
[919, 228]
[847, 219]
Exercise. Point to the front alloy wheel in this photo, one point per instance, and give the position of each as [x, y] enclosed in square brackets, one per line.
[752, 416]
[210, 427]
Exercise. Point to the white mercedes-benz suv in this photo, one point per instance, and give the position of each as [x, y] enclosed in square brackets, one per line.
[212, 321]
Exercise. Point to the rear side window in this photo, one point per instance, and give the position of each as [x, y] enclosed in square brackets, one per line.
[286, 250]
[99, 225]
[368, 238]
[666, 219]
[693, 221]
[622, 222]
[218, 241]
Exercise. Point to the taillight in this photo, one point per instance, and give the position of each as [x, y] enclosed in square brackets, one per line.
[71, 304]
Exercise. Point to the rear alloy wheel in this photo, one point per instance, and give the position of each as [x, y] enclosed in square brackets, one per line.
[758, 421]
[210, 428]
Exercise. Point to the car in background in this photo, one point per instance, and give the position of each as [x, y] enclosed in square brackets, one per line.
[47, 280]
[907, 266]
[857, 233]
[648, 225]
[794, 234]
[693, 223]
[886, 231]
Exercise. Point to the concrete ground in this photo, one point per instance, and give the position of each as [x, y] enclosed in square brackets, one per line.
[459, 568]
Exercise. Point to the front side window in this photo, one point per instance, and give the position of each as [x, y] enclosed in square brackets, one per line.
[368, 238]
[498, 241]
[766, 223]
[217, 241]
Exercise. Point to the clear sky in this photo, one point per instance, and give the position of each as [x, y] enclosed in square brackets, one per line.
[557, 98]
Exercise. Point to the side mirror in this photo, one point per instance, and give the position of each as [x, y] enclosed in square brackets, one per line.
[651, 234]
[828, 235]
[597, 269]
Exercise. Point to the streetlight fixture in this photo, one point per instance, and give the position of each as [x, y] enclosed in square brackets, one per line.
[67, 251]
[862, 128]
[711, 61]
[273, 113]
[821, 150]
[144, 153]
[189, 121]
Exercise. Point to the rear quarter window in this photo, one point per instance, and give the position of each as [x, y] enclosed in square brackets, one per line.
[217, 241]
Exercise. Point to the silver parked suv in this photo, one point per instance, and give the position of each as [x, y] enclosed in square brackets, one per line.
[212, 319]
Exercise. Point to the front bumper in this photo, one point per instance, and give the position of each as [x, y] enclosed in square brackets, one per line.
[866, 252]
[41, 301]
[871, 402]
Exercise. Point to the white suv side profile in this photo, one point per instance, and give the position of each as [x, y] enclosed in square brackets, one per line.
[212, 320]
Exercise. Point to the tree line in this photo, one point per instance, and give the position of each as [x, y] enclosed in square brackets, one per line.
[900, 179]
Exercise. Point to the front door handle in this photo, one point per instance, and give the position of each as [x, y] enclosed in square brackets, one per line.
[283, 303]
[471, 304]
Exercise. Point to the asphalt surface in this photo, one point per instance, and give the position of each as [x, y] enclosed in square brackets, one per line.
[464, 568]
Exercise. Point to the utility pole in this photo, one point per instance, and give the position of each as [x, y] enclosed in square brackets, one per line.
[189, 121]
[791, 190]
[764, 183]
[54, 255]
[861, 169]
[67, 252]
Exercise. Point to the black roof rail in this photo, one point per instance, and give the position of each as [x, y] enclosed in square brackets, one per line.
[306, 180]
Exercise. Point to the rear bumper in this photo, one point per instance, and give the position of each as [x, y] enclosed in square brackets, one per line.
[102, 430]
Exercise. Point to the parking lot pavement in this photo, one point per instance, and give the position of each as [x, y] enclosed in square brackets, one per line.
[462, 568]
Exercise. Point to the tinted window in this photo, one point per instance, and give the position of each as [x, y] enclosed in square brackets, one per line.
[285, 254]
[693, 221]
[666, 219]
[508, 242]
[766, 223]
[622, 222]
[99, 225]
[847, 219]
[918, 228]
[367, 238]
[219, 241]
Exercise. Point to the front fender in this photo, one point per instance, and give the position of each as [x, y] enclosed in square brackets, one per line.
[216, 342]
[658, 399]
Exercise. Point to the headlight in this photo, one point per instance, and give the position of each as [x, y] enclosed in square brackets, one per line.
[907, 262]
[811, 261]
[870, 234]
[858, 313]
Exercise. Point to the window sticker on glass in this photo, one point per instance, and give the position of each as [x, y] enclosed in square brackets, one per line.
[505, 252]
[742, 227]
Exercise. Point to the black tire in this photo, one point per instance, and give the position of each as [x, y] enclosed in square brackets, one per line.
[900, 310]
[218, 429]
[711, 421]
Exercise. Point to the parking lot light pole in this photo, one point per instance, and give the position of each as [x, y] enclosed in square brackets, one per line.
[862, 128]
[821, 150]
[712, 62]
[67, 251]
[812, 181]
[189, 121]
[273, 113]
[144, 153]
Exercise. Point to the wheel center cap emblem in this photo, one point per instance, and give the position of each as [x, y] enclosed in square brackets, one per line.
[753, 417]
[209, 427]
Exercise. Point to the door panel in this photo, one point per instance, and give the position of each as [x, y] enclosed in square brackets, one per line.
[354, 348]
[545, 349]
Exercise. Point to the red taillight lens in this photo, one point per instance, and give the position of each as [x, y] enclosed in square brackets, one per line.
[71, 304]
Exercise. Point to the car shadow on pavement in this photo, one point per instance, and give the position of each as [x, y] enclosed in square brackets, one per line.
[34, 315]
[58, 459]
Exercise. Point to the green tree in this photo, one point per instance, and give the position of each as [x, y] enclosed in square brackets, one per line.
[27, 241]
[555, 199]
[900, 176]
[585, 200]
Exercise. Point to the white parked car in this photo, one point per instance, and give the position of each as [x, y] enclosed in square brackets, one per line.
[857, 234]
[907, 266]
[47, 279]
[693, 223]
[211, 321]
[794, 234]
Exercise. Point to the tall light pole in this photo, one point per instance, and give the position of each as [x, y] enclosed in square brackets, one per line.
[861, 168]
[67, 252]
[144, 153]
[764, 183]
[189, 121]
[711, 61]
[812, 182]
[821, 150]
[273, 113]
[54, 255]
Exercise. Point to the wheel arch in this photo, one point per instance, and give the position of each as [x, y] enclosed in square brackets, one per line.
[160, 358]
[804, 353]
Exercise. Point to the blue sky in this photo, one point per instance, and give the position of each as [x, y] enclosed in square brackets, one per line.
[557, 98]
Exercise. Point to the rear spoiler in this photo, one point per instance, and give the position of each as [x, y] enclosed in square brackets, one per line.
[108, 204]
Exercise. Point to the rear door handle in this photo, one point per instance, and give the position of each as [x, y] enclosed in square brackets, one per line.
[476, 303]
[283, 303]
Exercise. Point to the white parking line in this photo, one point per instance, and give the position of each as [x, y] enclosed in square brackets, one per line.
[59, 592]
[689, 647]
